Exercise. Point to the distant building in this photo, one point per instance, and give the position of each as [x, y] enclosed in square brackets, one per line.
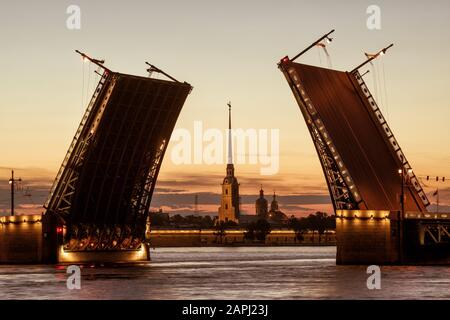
[245, 219]
[275, 215]
[159, 218]
[229, 204]
[274, 204]
[261, 205]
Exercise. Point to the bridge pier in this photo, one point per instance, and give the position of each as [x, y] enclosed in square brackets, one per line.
[367, 237]
[384, 237]
[116, 256]
[34, 239]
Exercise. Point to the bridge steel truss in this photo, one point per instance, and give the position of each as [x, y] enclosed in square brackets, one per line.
[435, 233]
[103, 189]
[346, 180]
[433, 227]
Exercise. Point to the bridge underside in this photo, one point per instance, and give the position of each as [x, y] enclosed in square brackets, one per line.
[358, 152]
[101, 196]
[366, 172]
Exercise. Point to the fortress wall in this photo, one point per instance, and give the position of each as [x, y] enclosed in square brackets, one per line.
[182, 238]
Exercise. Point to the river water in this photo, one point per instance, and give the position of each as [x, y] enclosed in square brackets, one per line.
[228, 273]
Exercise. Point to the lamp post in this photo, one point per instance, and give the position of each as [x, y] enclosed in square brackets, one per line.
[402, 194]
[12, 181]
[402, 211]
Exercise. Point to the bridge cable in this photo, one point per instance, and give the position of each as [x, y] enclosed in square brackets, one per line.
[82, 87]
[318, 54]
[327, 55]
[88, 89]
[385, 91]
[375, 82]
[375, 78]
[380, 92]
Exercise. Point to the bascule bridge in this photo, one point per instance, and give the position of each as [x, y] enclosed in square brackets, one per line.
[380, 206]
[98, 205]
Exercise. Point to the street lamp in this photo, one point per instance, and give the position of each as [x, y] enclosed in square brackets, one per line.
[402, 214]
[402, 199]
[402, 192]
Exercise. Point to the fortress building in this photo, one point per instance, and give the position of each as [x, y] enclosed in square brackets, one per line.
[229, 204]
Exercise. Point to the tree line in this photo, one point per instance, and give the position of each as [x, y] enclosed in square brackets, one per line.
[317, 223]
[159, 219]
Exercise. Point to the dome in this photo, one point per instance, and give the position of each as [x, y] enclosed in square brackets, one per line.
[261, 204]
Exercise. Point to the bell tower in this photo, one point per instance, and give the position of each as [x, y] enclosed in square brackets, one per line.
[229, 204]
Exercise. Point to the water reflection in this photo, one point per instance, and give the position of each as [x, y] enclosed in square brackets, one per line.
[228, 273]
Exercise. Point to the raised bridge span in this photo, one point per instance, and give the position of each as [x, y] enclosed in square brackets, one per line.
[380, 206]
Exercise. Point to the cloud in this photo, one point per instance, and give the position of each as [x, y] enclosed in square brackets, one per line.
[291, 207]
[176, 193]
[168, 190]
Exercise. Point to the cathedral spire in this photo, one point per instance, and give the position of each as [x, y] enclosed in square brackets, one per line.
[229, 209]
[230, 147]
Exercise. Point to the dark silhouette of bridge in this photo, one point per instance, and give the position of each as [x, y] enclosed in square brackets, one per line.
[98, 206]
[101, 196]
[379, 203]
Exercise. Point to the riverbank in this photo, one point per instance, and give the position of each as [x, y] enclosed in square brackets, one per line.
[235, 237]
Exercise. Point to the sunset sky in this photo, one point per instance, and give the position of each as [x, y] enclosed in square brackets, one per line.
[227, 50]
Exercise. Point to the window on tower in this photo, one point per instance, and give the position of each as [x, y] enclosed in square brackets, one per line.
[226, 206]
[226, 191]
